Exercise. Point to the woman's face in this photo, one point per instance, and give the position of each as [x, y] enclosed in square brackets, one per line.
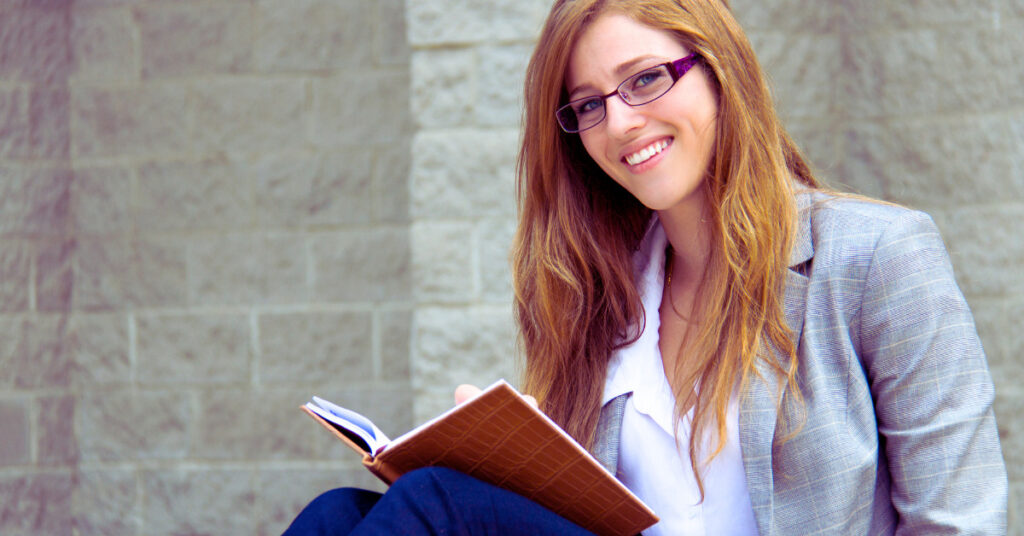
[659, 151]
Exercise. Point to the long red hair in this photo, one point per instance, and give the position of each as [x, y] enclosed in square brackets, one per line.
[575, 296]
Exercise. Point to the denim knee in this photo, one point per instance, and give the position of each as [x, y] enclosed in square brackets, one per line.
[333, 512]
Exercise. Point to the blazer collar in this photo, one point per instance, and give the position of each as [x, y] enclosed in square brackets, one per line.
[758, 404]
[803, 244]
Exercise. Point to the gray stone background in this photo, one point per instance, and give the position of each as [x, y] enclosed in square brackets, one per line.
[212, 209]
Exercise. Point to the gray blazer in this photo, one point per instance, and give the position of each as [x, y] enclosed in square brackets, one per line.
[899, 435]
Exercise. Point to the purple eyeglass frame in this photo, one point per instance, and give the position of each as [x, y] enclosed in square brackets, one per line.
[676, 69]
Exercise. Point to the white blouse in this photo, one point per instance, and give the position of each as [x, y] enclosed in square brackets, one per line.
[650, 463]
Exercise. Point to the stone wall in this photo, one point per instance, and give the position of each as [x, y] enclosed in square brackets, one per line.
[203, 221]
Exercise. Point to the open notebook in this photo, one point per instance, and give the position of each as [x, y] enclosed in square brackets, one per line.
[501, 439]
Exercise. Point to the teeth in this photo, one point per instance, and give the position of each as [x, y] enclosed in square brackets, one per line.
[646, 153]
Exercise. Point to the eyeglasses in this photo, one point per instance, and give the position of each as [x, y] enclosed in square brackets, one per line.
[641, 88]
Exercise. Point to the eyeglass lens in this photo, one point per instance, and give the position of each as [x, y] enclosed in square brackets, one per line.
[638, 89]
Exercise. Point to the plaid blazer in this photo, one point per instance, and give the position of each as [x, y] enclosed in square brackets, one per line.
[899, 434]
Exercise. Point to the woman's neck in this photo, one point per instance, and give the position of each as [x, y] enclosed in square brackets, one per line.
[688, 229]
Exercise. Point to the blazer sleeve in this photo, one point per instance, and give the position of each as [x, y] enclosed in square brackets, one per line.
[932, 389]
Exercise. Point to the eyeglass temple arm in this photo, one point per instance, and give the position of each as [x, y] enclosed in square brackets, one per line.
[680, 66]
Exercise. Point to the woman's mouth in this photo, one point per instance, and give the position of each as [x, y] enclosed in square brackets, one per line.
[646, 153]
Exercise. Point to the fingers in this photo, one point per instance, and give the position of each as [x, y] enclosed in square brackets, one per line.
[530, 400]
[464, 392]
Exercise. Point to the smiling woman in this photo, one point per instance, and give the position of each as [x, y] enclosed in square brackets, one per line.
[751, 352]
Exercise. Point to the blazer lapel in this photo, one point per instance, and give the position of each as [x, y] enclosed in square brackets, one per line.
[609, 430]
[759, 403]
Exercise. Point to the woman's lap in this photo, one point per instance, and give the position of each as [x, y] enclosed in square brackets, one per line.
[429, 501]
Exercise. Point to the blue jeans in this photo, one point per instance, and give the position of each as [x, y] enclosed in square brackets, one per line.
[431, 500]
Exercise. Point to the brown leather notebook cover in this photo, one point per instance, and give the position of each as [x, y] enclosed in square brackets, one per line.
[500, 438]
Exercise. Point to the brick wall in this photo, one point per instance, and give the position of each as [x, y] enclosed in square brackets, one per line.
[468, 63]
[204, 220]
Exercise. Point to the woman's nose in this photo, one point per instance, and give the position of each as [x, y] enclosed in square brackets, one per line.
[620, 117]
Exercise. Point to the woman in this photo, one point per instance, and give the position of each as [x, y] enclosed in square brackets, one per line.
[817, 345]
[752, 353]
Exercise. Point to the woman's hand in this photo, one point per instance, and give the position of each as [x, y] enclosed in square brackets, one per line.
[465, 392]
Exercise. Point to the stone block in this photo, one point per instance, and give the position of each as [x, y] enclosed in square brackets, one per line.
[237, 269]
[48, 134]
[821, 143]
[101, 349]
[126, 426]
[103, 45]
[193, 348]
[329, 189]
[35, 504]
[1014, 8]
[250, 115]
[304, 347]
[459, 345]
[390, 41]
[15, 264]
[313, 35]
[365, 265]
[391, 182]
[802, 71]
[207, 195]
[395, 344]
[34, 201]
[14, 121]
[949, 162]
[139, 121]
[997, 320]
[118, 272]
[928, 71]
[494, 262]
[501, 71]
[463, 174]
[16, 429]
[54, 275]
[57, 443]
[193, 39]
[284, 493]
[204, 501]
[468, 21]
[101, 199]
[985, 247]
[33, 123]
[864, 168]
[443, 268]
[98, 3]
[106, 503]
[30, 52]
[444, 87]
[805, 16]
[36, 353]
[359, 108]
[244, 424]
[917, 13]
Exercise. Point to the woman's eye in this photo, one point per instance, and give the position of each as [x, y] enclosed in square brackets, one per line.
[588, 106]
[646, 78]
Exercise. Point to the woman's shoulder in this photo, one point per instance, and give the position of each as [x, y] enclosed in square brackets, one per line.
[851, 217]
[847, 229]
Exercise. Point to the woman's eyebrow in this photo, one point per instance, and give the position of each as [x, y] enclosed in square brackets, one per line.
[625, 69]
